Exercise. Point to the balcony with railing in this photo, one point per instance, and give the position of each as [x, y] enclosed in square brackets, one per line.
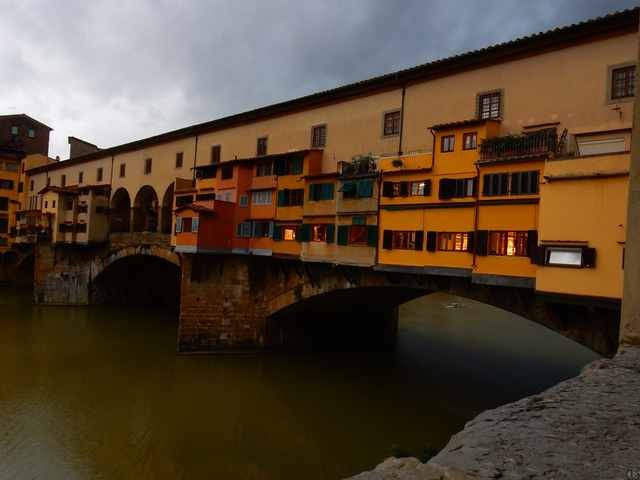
[512, 147]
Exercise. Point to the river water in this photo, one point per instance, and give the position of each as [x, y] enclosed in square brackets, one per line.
[99, 393]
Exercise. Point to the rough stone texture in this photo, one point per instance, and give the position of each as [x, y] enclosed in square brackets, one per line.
[584, 428]
[410, 469]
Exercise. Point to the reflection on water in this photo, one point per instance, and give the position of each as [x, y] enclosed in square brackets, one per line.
[99, 393]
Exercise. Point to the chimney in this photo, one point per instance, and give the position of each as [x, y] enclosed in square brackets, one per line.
[78, 147]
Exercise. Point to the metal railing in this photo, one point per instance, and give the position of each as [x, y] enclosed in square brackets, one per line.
[514, 146]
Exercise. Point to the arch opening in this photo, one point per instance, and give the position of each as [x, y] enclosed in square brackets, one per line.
[167, 207]
[145, 210]
[145, 280]
[363, 318]
[120, 211]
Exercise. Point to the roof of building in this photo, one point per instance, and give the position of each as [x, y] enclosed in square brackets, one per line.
[24, 115]
[622, 21]
[463, 123]
[195, 207]
[51, 188]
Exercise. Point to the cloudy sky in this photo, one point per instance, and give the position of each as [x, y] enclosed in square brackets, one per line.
[115, 71]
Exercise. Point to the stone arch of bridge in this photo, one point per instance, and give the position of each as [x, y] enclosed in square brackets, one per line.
[145, 210]
[99, 264]
[120, 216]
[166, 210]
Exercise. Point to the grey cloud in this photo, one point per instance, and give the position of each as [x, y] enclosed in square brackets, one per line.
[112, 72]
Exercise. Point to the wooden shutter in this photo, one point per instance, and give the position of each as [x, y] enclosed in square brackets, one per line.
[305, 232]
[326, 192]
[470, 241]
[331, 232]
[387, 189]
[343, 234]
[280, 166]
[432, 238]
[404, 189]
[277, 233]
[481, 241]
[313, 191]
[447, 188]
[282, 198]
[504, 184]
[372, 235]
[427, 188]
[588, 257]
[419, 240]
[387, 240]
[486, 184]
[365, 188]
[532, 243]
[538, 255]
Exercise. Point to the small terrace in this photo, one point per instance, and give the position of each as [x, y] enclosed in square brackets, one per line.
[527, 145]
[364, 165]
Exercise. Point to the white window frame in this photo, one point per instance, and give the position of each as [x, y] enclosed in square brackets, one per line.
[577, 262]
[262, 197]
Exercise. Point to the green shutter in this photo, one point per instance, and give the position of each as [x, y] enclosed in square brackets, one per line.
[305, 232]
[331, 232]
[372, 235]
[327, 191]
[365, 188]
[348, 187]
[343, 234]
[295, 166]
[312, 191]
[282, 198]
[277, 233]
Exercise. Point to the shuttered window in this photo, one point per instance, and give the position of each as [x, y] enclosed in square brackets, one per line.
[264, 169]
[495, 184]
[402, 240]
[319, 136]
[321, 191]
[261, 146]
[226, 172]
[453, 241]
[447, 143]
[510, 244]
[392, 123]
[524, 183]
[216, 151]
[457, 188]
[289, 198]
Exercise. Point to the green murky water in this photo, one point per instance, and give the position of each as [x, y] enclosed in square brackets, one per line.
[100, 393]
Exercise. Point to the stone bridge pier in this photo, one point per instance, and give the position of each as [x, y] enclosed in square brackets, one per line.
[235, 303]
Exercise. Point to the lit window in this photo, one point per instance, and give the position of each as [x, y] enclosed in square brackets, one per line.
[289, 233]
[453, 242]
[421, 188]
[511, 244]
[447, 143]
[319, 233]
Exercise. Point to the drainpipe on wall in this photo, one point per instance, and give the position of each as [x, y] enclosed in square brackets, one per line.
[401, 121]
[110, 195]
[630, 318]
[195, 156]
[433, 150]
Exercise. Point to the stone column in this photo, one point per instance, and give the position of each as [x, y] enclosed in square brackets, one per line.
[131, 218]
[630, 321]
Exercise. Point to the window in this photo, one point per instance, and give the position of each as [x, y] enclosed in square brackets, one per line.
[20, 187]
[321, 191]
[46, 204]
[524, 183]
[391, 123]
[31, 133]
[262, 229]
[357, 189]
[264, 169]
[4, 225]
[6, 184]
[226, 172]
[319, 233]
[68, 205]
[288, 165]
[564, 256]
[123, 168]
[358, 234]
[244, 230]
[453, 241]
[289, 233]
[63, 180]
[422, 188]
[31, 186]
[14, 130]
[457, 188]
[216, 154]
[289, 198]
[489, 105]
[261, 146]
[195, 224]
[225, 196]
[405, 240]
[318, 136]
[53, 204]
[623, 82]
[511, 244]
[48, 181]
[261, 197]
[447, 143]
[99, 174]
[404, 189]
[81, 228]
[11, 166]
[179, 159]
[147, 166]
[184, 200]
[4, 204]
[80, 177]
[495, 184]
[244, 200]
[470, 141]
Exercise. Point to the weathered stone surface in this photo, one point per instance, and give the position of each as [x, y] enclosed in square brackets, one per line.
[409, 469]
[587, 427]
